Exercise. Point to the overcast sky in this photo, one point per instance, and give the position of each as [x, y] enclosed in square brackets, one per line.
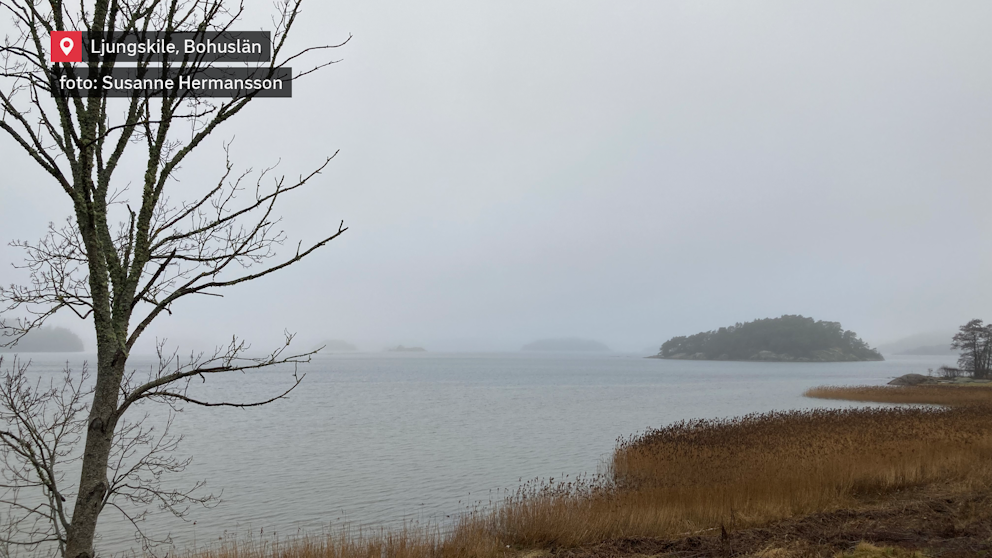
[620, 171]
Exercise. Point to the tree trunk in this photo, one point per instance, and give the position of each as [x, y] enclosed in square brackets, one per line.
[102, 420]
[93, 484]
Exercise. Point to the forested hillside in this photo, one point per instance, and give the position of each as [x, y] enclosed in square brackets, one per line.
[789, 338]
[47, 340]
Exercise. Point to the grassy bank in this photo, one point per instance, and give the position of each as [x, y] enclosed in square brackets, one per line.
[696, 476]
[950, 394]
[698, 480]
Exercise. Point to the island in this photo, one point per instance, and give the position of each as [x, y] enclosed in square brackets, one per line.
[567, 345]
[931, 350]
[46, 340]
[785, 339]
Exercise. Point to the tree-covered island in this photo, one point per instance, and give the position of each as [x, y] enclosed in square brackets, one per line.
[785, 339]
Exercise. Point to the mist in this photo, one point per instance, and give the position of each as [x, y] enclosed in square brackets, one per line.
[624, 173]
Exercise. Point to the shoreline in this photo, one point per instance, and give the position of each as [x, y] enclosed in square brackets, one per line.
[795, 361]
[918, 479]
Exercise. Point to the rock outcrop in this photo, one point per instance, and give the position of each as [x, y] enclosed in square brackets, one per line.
[910, 380]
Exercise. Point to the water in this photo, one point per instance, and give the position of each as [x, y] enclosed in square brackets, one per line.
[383, 439]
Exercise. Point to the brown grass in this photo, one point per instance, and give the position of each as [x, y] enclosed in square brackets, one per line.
[418, 542]
[339, 544]
[867, 550]
[950, 395]
[697, 477]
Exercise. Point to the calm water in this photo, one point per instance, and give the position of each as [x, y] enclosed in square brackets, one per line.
[379, 439]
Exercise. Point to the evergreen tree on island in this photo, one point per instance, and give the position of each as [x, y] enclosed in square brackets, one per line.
[789, 338]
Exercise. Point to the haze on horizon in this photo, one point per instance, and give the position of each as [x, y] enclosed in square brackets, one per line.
[517, 171]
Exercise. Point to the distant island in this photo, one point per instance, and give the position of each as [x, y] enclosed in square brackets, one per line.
[933, 350]
[46, 340]
[785, 339]
[402, 349]
[567, 344]
[936, 342]
[336, 345]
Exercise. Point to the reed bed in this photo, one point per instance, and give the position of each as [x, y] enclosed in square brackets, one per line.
[694, 477]
[343, 543]
[471, 539]
[935, 394]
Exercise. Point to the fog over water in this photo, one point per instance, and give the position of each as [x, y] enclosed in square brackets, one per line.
[621, 172]
[514, 171]
[377, 440]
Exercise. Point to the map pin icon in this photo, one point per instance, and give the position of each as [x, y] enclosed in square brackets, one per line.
[66, 45]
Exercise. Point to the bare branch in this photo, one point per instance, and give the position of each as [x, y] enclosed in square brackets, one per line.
[41, 427]
[124, 257]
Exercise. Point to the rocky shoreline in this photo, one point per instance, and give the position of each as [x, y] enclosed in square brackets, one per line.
[920, 379]
[824, 355]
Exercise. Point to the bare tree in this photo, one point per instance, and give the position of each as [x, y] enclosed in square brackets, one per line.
[124, 258]
[974, 340]
[42, 425]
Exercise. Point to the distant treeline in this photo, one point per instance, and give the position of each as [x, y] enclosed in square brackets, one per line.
[46, 340]
[785, 338]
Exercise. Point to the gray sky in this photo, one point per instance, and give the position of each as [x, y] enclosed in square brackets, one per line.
[624, 172]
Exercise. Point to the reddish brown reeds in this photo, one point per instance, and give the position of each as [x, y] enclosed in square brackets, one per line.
[935, 394]
[697, 477]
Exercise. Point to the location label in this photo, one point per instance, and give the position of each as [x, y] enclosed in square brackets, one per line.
[67, 46]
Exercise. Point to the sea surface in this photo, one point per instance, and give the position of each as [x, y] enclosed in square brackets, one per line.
[391, 439]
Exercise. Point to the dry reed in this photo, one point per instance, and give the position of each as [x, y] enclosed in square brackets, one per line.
[696, 476]
[936, 394]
